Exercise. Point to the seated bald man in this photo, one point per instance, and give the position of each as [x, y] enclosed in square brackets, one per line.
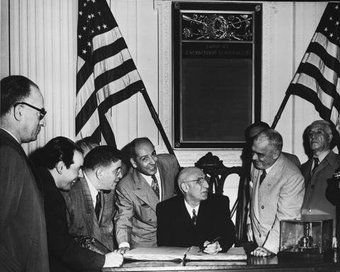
[195, 218]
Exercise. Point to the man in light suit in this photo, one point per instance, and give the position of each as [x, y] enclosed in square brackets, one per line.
[23, 241]
[318, 170]
[101, 172]
[276, 192]
[193, 218]
[151, 179]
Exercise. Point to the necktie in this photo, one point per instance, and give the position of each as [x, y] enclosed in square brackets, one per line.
[262, 177]
[98, 206]
[316, 163]
[154, 186]
[194, 216]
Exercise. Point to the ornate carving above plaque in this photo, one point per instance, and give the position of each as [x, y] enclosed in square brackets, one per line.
[217, 26]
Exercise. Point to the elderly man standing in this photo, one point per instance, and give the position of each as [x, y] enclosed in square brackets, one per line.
[150, 180]
[194, 218]
[276, 192]
[318, 170]
[23, 242]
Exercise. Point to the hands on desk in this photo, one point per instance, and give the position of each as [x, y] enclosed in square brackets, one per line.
[211, 247]
[122, 250]
[261, 252]
[113, 259]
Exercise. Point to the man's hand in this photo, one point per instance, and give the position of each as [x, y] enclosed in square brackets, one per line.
[113, 259]
[211, 248]
[122, 250]
[250, 233]
[261, 252]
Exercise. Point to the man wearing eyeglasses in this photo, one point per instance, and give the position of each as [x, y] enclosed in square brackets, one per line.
[150, 180]
[60, 162]
[90, 202]
[194, 218]
[23, 242]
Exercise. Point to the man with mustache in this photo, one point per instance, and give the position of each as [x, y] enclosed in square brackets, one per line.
[150, 180]
[318, 170]
[23, 241]
[276, 192]
[194, 218]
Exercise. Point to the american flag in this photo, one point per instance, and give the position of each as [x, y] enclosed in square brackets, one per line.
[317, 77]
[106, 73]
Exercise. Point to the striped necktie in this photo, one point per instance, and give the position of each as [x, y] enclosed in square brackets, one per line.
[194, 217]
[155, 186]
[316, 163]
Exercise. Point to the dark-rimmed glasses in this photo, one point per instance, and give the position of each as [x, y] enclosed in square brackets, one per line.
[42, 111]
[201, 180]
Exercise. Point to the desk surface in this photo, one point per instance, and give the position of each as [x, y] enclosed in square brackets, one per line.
[275, 263]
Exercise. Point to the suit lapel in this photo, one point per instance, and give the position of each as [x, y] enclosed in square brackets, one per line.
[89, 205]
[143, 190]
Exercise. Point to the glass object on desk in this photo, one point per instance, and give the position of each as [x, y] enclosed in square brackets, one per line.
[306, 241]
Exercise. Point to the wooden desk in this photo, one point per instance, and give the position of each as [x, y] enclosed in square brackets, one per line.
[253, 264]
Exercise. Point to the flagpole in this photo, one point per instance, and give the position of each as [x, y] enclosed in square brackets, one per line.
[157, 121]
[279, 112]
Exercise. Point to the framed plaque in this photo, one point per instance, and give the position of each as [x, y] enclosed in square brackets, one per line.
[217, 72]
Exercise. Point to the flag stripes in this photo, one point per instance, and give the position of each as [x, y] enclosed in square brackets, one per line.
[317, 77]
[106, 75]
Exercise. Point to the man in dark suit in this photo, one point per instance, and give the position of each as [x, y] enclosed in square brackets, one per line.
[193, 218]
[318, 170]
[60, 161]
[150, 180]
[90, 202]
[23, 242]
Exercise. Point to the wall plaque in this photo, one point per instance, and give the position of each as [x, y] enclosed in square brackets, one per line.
[217, 72]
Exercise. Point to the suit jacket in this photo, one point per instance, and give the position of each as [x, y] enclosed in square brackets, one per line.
[23, 240]
[136, 220]
[293, 158]
[175, 226]
[65, 255]
[279, 197]
[82, 219]
[315, 201]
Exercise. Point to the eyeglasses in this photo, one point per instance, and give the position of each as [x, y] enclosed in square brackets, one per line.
[201, 180]
[41, 111]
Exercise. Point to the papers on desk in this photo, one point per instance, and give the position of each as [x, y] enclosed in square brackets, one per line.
[180, 253]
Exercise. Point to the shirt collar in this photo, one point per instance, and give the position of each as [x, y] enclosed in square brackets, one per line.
[322, 155]
[93, 190]
[189, 208]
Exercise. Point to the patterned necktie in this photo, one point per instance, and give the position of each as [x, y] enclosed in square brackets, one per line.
[316, 164]
[262, 177]
[98, 206]
[154, 186]
[194, 216]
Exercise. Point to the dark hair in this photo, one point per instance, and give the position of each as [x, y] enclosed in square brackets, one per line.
[257, 126]
[58, 149]
[136, 142]
[87, 143]
[13, 90]
[102, 155]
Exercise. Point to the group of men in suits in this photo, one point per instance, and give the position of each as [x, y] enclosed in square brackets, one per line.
[281, 189]
[46, 202]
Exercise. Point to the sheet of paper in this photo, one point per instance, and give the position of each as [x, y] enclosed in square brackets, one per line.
[177, 254]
